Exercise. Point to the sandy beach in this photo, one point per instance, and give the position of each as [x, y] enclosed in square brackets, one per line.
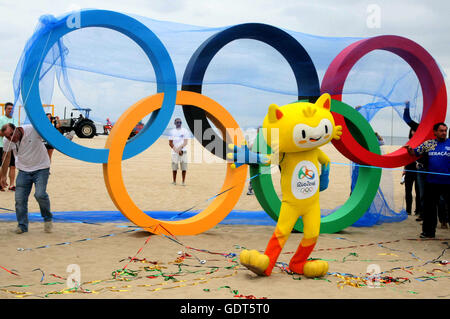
[162, 270]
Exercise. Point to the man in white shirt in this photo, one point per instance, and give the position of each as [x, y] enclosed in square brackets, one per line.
[8, 118]
[178, 138]
[33, 163]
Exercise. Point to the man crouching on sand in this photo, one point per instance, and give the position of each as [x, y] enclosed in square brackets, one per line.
[33, 164]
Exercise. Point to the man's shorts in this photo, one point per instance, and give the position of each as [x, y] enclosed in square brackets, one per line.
[181, 160]
[12, 161]
[48, 146]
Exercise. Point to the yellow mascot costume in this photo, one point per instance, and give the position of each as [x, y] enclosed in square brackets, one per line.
[302, 128]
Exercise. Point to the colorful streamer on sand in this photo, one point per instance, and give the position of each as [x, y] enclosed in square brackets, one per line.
[132, 275]
[78, 241]
[171, 280]
[9, 271]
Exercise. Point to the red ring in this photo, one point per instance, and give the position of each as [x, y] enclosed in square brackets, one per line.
[430, 79]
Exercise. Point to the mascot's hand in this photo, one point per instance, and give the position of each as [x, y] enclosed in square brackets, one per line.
[242, 155]
[324, 177]
[337, 132]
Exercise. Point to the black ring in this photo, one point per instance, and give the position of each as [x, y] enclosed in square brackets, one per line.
[305, 73]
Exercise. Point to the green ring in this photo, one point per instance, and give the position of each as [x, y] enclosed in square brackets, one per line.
[363, 194]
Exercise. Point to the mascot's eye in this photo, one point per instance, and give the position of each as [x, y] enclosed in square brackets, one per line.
[303, 134]
[326, 129]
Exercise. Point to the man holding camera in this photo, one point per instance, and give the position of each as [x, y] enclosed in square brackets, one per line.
[178, 138]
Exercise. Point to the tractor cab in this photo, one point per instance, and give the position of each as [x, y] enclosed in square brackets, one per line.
[79, 122]
[82, 113]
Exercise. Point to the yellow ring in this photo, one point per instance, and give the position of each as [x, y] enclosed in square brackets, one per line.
[112, 170]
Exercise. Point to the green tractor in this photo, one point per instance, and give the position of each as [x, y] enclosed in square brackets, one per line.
[82, 125]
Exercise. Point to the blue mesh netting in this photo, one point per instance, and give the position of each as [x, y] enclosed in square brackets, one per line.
[107, 72]
[91, 63]
[381, 210]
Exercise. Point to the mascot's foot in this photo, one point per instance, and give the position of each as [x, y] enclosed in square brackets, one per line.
[311, 268]
[255, 261]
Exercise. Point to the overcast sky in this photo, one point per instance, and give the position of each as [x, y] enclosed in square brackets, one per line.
[426, 22]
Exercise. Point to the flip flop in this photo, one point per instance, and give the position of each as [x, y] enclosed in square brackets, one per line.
[12, 188]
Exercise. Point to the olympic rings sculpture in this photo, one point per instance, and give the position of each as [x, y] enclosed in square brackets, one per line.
[150, 44]
[357, 143]
[430, 79]
[216, 211]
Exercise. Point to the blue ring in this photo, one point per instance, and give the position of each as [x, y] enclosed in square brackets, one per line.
[139, 33]
[305, 73]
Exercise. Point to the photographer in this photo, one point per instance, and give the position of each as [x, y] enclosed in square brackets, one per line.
[55, 122]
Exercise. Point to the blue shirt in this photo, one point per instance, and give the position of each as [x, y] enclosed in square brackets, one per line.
[438, 160]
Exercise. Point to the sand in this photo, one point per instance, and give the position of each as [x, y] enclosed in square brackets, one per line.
[78, 186]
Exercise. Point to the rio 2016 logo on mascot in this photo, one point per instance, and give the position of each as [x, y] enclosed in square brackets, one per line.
[302, 127]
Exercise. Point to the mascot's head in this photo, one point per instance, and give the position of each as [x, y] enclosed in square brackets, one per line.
[302, 126]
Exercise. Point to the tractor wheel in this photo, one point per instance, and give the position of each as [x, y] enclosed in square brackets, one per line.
[85, 130]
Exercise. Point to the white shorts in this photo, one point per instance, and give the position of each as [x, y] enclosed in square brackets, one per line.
[181, 159]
